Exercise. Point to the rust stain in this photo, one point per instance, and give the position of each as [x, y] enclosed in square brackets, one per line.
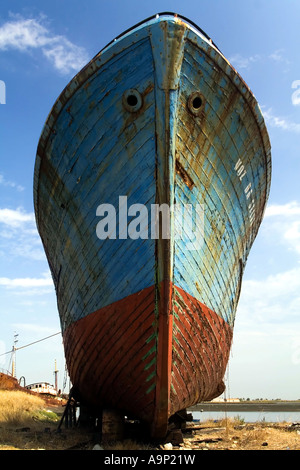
[184, 175]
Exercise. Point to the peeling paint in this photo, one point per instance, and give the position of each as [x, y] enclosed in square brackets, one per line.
[147, 325]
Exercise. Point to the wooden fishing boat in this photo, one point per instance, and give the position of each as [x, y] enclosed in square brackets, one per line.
[159, 118]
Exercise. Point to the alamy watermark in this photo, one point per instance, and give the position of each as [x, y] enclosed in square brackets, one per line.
[2, 92]
[137, 222]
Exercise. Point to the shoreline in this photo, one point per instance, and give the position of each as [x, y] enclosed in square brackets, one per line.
[247, 406]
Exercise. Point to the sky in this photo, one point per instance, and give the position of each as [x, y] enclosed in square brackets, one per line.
[42, 46]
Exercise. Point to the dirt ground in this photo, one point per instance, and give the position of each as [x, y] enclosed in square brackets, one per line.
[254, 436]
[223, 435]
[44, 433]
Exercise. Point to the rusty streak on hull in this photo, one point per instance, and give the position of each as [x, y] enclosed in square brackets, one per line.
[159, 116]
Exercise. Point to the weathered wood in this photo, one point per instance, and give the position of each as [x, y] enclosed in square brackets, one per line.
[157, 117]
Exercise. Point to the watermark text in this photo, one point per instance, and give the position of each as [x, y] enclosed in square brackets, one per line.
[138, 222]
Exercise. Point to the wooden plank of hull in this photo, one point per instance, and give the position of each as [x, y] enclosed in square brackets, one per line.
[113, 354]
[201, 346]
[147, 324]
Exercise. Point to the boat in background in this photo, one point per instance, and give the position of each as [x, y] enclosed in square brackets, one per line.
[159, 118]
[44, 388]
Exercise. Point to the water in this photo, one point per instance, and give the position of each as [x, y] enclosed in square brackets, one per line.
[249, 416]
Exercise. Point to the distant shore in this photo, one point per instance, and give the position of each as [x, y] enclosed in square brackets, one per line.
[248, 406]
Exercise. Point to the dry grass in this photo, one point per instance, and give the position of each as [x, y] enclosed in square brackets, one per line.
[27, 423]
[234, 434]
[18, 408]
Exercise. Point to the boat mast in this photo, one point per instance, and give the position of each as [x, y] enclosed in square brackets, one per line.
[55, 375]
[13, 366]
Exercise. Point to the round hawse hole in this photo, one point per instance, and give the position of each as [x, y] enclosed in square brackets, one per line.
[132, 100]
[195, 103]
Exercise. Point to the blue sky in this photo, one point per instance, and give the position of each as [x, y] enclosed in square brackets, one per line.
[42, 46]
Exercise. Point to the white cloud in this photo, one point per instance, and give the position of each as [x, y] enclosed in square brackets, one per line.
[282, 222]
[280, 122]
[30, 34]
[277, 55]
[290, 209]
[241, 62]
[245, 62]
[275, 298]
[292, 235]
[15, 218]
[280, 56]
[26, 282]
[275, 286]
[65, 56]
[23, 34]
[30, 292]
[10, 184]
[270, 304]
[19, 236]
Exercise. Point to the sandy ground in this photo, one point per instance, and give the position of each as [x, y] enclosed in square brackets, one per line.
[254, 436]
[221, 435]
[225, 435]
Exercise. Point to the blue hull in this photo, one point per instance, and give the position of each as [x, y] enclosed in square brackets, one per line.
[159, 116]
